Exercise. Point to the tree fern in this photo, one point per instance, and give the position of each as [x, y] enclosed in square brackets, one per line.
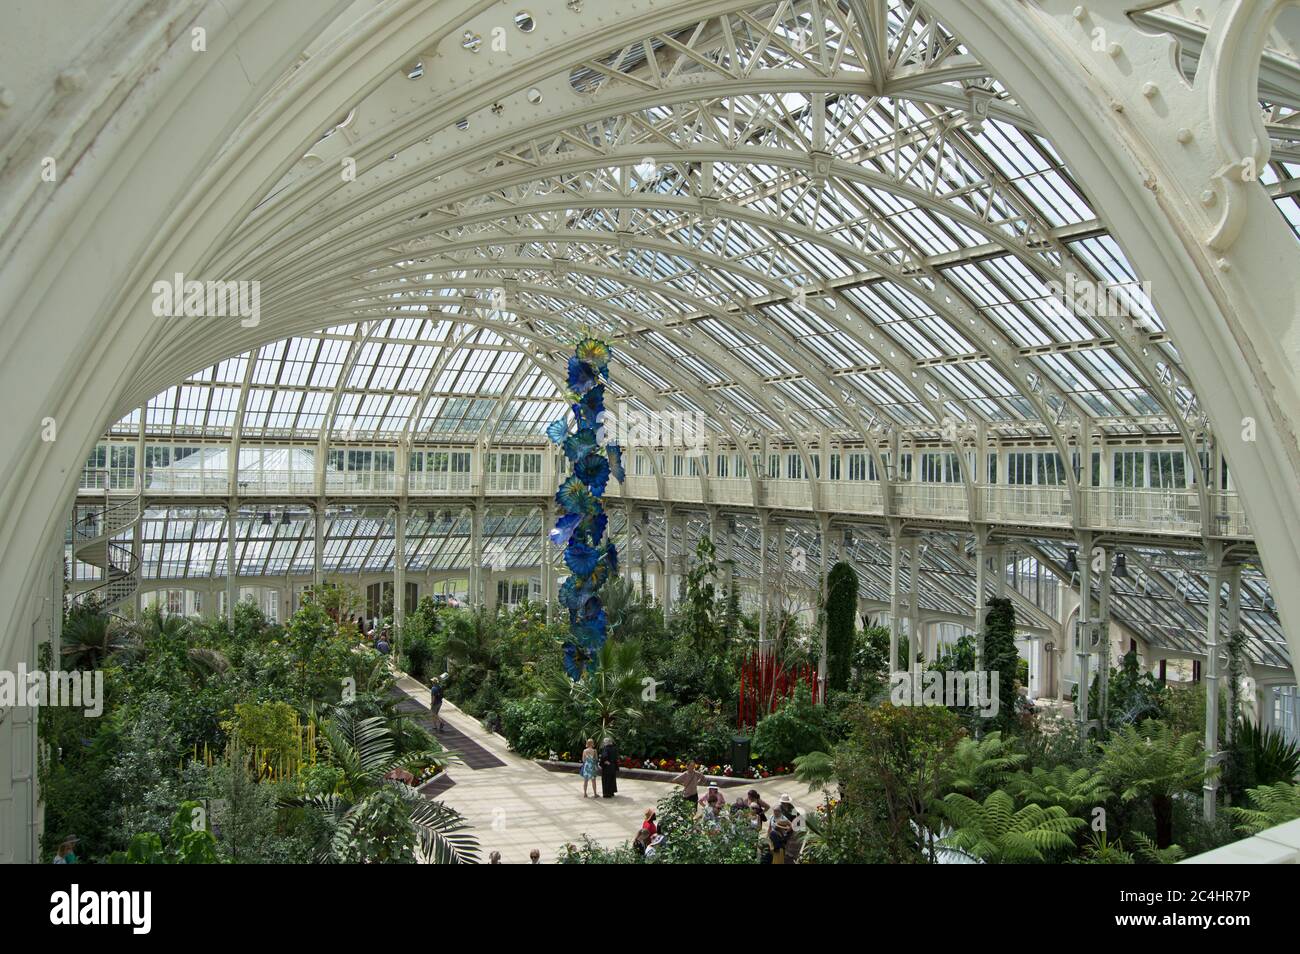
[1150, 853]
[1154, 762]
[815, 768]
[1271, 805]
[1074, 790]
[979, 765]
[995, 832]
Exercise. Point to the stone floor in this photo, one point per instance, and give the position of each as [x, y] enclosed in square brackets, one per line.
[519, 805]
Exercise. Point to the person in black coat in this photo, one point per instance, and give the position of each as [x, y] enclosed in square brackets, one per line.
[608, 768]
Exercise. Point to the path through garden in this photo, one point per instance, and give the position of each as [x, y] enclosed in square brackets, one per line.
[518, 805]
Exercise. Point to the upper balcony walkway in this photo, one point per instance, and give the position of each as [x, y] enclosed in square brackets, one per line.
[1175, 513]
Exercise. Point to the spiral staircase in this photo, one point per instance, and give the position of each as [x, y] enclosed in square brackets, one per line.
[93, 543]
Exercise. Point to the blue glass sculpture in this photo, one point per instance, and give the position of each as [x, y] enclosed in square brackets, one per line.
[581, 527]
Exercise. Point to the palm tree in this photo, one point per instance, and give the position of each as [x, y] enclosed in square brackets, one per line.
[1157, 763]
[373, 818]
[90, 636]
[470, 646]
[608, 692]
[994, 832]
[628, 616]
[1074, 790]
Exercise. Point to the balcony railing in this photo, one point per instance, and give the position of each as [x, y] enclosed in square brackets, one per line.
[1045, 505]
[164, 481]
[854, 496]
[1229, 516]
[363, 483]
[683, 489]
[275, 483]
[790, 494]
[1172, 511]
[943, 501]
[513, 484]
[440, 482]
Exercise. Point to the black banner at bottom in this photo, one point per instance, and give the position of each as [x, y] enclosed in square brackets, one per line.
[137, 904]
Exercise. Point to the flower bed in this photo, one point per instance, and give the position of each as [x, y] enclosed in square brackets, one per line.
[644, 774]
[676, 766]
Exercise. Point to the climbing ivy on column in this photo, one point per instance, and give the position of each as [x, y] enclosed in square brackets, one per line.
[580, 529]
[841, 618]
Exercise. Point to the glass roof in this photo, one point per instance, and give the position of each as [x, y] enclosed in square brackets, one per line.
[863, 257]
[831, 237]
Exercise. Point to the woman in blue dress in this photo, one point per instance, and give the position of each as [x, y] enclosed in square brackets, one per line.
[588, 770]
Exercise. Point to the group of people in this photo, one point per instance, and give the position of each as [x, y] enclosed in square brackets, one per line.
[780, 842]
[781, 829]
[379, 636]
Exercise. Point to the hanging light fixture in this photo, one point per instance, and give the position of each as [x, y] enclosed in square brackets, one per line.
[1071, 564]
[1121, 567]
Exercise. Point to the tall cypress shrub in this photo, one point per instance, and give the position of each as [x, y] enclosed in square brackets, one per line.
[841, 610]
[1000, 656]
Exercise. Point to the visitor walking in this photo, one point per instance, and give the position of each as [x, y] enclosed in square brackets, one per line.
[608, 768]
[435, 702]
[588, 770]
[535, 857]
[690, 782]
[759, 807]
[494, 858]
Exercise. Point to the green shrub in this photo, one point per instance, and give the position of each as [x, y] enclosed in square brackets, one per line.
[1259, 757]
[701, 732]
[797, 727]
[535, 727]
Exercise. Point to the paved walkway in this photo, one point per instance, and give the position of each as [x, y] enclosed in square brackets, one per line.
[519, 806]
